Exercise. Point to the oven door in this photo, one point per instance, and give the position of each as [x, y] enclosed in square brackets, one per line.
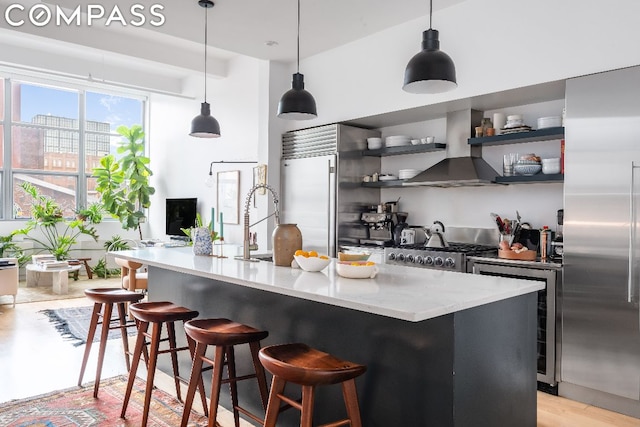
[547, 326]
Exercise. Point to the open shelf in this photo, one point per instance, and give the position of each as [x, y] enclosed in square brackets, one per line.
[404, 149]
[386, 184]
[523, 179]
[547, 134]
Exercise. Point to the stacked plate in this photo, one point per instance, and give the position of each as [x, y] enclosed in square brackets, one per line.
[397, 140]
[407, 173]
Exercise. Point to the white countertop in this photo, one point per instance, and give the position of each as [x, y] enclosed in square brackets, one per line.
[406, 293]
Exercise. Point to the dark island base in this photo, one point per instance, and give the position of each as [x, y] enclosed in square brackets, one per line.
[474, 368]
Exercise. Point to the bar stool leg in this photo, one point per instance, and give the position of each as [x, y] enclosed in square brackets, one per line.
[92, 330]
[191, 391]
[171, 332]
[203, 396]
[124, 333]
[351, 402]
[308, 397]
[273, 408]
[156, 329]
[106, 319]
[260, 374]
[233, 385]
[137, 352]
[216, 381]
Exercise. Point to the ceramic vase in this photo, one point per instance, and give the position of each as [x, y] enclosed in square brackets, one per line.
[287, 239]
[202, 244]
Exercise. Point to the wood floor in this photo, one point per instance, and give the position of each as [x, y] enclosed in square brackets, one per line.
[35, 360]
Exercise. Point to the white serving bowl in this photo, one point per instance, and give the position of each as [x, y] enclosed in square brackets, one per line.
[353, 256]
[311, 263]
[521, 169]
[551, 166]
[415, 141]
[549, 122]
[360, 271]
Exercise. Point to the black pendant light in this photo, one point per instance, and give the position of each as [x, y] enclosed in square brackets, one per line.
[297, 103]
[205, 125]
[431, 70]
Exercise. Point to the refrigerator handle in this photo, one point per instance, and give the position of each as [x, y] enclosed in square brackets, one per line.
[632, 235]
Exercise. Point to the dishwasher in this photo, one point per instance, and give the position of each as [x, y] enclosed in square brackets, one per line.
[548, 336]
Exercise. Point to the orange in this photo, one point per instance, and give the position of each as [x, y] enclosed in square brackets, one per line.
[300, 252]
[313, 253]
[324, 257]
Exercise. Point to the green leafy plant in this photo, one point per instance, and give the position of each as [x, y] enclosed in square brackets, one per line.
[124, 184]
[9, 249]
[92, 214]
[199, 223]
[116, 243]
[58, 234]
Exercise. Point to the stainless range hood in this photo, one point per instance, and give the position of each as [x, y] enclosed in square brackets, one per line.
[464, 165]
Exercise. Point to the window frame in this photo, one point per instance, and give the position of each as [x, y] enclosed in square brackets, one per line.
[82, 176]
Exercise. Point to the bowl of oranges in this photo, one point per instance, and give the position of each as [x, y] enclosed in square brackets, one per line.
[310, 261]
[357, 269]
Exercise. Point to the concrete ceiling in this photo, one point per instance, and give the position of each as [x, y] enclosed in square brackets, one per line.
[247, 26]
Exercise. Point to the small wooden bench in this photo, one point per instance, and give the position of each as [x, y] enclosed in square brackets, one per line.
[78, 261]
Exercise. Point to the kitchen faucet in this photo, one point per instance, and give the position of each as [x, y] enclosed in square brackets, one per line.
[246, 248]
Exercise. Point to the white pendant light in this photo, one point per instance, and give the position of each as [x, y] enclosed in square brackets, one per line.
[205, 125]
[297, 103]
[431, 70]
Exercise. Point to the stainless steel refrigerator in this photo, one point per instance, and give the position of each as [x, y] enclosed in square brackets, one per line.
[600, 356]
[321, 174]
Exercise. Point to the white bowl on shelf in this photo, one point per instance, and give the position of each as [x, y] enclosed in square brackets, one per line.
[374, 143]
[551, 166]
[549, 122]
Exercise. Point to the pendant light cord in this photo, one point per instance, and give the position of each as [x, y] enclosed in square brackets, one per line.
[298, 57]
[430, 12]
[206, 22]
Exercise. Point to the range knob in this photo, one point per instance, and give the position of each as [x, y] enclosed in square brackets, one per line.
[449, 263]
[419, 260]
[400, 257]
[428, 260]
[438, 262]
[409, 258]
[391, 256]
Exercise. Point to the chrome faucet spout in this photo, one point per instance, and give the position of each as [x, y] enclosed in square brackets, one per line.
[246, 252]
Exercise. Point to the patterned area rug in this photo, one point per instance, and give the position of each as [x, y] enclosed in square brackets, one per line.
[73, 324]
[77, 407]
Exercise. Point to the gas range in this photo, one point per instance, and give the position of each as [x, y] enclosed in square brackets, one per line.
[451, 258]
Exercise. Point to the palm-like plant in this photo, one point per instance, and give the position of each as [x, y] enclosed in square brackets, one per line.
[58, 234]
[124, 184]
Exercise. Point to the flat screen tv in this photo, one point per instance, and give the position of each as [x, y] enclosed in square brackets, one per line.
[181, 213]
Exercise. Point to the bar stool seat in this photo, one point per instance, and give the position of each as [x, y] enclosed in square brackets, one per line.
[300, 364]
[224, 334]
[157, 314]
[106, 297]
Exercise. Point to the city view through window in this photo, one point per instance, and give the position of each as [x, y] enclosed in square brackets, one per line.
[58, 136]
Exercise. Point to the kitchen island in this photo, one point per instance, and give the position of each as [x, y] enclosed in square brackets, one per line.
[442, 348]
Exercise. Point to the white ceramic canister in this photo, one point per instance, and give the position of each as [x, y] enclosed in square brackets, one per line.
[499, 122]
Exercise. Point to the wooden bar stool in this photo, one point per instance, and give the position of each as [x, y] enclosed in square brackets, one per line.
[157, 314]
[105, 298]
[300, 364]
[224, 334]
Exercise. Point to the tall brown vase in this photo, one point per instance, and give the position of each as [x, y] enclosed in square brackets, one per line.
[287, 239]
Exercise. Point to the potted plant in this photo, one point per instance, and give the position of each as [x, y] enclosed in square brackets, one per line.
[123, 184]
[57, 234]
[101, 269]
[189, 232]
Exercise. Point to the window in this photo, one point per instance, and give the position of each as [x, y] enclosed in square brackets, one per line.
[57, 136]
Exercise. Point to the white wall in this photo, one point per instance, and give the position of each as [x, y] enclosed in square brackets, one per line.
[496, 45]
